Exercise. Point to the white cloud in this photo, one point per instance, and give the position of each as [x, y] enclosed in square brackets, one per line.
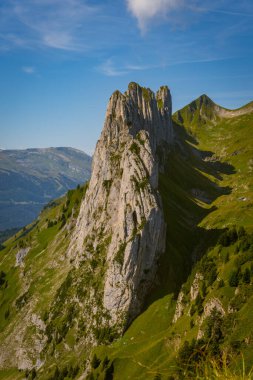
[28, 69]
[108, 68]
[145, 10]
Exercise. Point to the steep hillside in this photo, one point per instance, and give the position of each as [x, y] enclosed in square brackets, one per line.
[207, 190]
[147, 271]
[33, 267]
[101, 265]
[31, 178]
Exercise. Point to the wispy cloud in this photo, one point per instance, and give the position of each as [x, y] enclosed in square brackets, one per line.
[28, 69]
[228, 12]
[145, 10]
[135, 67]
[55, 24]
[109, 69]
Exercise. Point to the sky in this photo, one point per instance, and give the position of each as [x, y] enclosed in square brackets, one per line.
[60, 61]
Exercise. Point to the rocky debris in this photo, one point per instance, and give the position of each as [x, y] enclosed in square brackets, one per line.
[21, 255]
[38, 322]
[179, 307]
[194, 291]
[122, 203]
[213, 303]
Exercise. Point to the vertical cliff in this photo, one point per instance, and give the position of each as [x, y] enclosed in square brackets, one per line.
[122, 207]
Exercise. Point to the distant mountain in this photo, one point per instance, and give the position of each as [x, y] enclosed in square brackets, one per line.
[30, 178]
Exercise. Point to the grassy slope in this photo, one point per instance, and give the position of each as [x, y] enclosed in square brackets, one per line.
[201, 197]
[31, 288]
[206, 187]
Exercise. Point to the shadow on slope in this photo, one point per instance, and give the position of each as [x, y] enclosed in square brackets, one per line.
[188, 186]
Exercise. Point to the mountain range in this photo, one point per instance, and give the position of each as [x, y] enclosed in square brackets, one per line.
[146, 271]
[30, 178]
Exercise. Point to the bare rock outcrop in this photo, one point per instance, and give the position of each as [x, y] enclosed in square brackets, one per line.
[179, 307]
[210, 306]
[20, 256]
[195, 288]
[122, 206]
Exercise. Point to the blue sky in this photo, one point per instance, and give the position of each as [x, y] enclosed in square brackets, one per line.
[60, 60]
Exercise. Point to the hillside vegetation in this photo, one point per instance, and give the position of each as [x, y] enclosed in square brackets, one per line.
[204, 329]
[197, 319]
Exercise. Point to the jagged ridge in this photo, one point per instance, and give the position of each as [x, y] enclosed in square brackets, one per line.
[122, 204]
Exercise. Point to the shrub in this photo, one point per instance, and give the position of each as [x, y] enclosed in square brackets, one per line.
[203, 289]
[104, 334]
[22, 300]
[134, 148]
[3, 280]
[212, 275]
[208, 268]
[160, 104]
[241, 232]
[226, 257]
[106, 362]
[51, 223]
[234, 278]
[141, 141]
[221, 284]
[107, 183]
[199, 304]
[146, 94]
[213, 331]
[228, 237]
[33, 374]
[245, 243]
[119, 257]
[109, 372]
[246, 276]
[95, 362]
[6, 314]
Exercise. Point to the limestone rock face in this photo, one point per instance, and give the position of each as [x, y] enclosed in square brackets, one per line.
[194, 291]
[210, 306]
[179, 307]
[122, 207]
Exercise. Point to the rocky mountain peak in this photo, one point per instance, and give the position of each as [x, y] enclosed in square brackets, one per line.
[204, 99]
[122, 209]
[140, 109]
[202, 104]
